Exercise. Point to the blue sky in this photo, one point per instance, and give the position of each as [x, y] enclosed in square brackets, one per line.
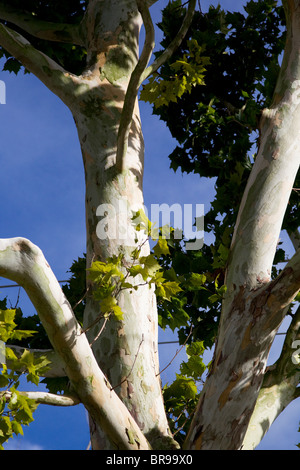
[42, 198]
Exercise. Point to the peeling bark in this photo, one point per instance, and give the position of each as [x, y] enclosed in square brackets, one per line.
[97, 115]
[254, 306]
[109, 30]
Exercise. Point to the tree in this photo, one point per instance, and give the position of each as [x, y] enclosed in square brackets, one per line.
[87, 54]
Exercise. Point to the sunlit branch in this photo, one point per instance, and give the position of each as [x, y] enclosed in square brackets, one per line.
[45, 398]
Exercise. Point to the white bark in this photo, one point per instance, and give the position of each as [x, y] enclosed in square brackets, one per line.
[254, 306]
[279, 388]
[24, 263]
[45, 398]
[109, 30]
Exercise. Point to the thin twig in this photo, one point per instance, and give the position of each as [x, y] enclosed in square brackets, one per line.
[168, 52]
[177, 352]
[18, 298]
[124, 380]
[101, 329]
[82, 298]
[134, 84]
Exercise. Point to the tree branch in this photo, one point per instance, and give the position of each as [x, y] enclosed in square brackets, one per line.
[60, 32]
[284, 364]
[278, 390]
[55, 77]
[141, 72]
[23, 262]
[45, 398]
[134, 84]
[169, 51]
[285, 287]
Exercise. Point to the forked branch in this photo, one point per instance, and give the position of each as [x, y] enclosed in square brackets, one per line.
[141, 72]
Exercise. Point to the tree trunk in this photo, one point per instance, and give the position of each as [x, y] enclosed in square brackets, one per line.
[279, 387]
[254, 306]
[129, 345]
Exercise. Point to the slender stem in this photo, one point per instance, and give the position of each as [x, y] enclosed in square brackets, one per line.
[141, 72]
[45, 398]
[177, 352]
[169, 51]
[134, 84]
[124, 380]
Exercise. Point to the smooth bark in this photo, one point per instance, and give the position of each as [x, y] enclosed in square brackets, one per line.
[279, 387]
[24, 263]
[254, 306]
[101, 99]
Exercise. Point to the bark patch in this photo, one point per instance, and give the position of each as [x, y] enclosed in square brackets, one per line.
[224, 397]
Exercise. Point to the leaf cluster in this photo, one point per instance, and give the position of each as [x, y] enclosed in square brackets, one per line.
[16, 410]
[185, 73]
[182, 395]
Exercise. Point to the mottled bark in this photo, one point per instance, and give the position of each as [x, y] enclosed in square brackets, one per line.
[103, 101]
[279, 387]
[24, 263]
[254, 306]
[127, 350]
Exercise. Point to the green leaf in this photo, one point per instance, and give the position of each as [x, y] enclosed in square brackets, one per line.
[182, 388]
[141, 222]
[117, 312]
[195, 281]
[17, 428]
[168, 289]
[161, 247]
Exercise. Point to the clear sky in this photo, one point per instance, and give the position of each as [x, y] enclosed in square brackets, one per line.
[42, 198]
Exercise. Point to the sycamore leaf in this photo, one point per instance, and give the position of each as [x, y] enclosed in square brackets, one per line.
[17, 428]
[161, 247]
[141, 222]
[195, 281]
[182, 388]
[150, 264]
[194, 367]
[117, 311]
[168, 289]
